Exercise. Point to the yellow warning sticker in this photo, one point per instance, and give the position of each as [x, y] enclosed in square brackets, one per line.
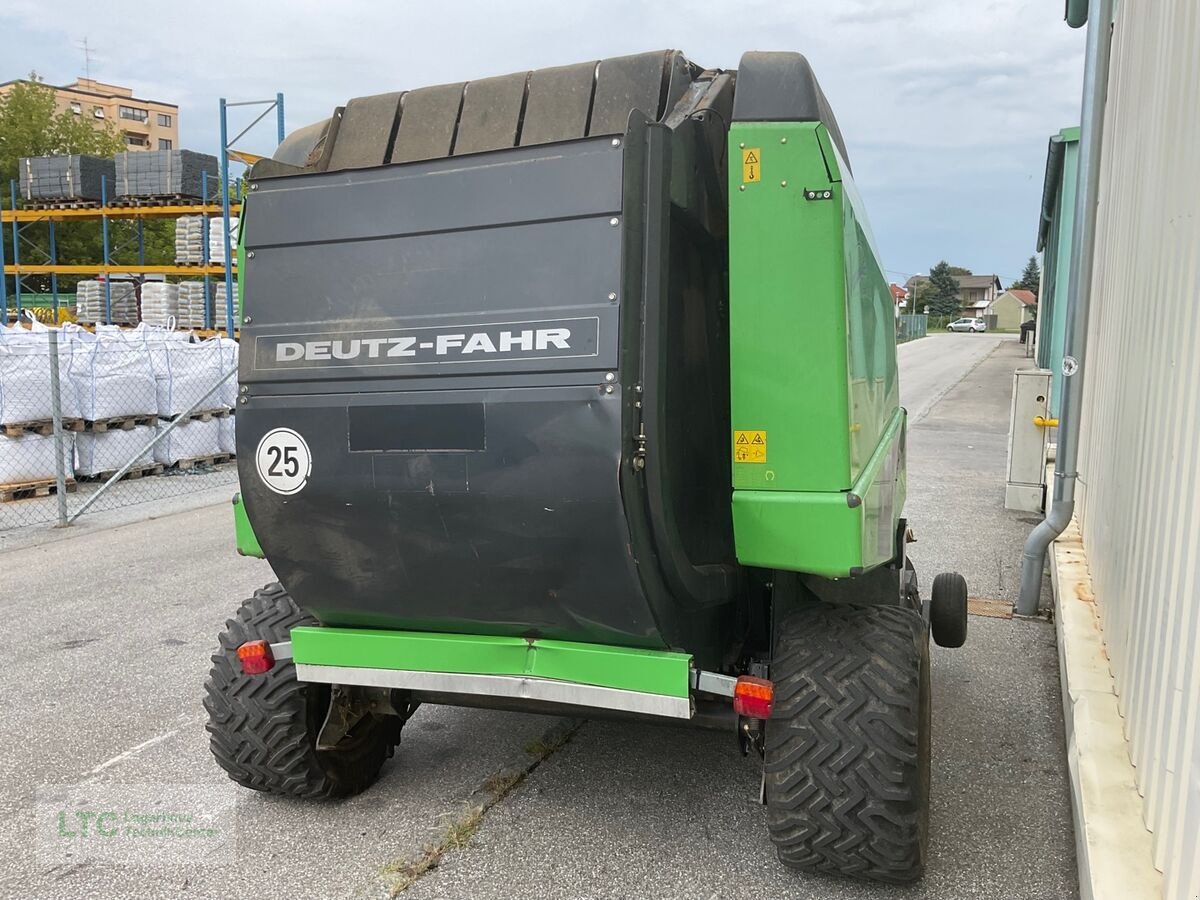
[750, 446]
[751, 164]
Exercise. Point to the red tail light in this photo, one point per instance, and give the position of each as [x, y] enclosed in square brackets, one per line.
[753, 697]
[256, 657]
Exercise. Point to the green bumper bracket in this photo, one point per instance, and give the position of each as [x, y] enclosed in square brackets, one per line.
[621, 668]
[247, 543]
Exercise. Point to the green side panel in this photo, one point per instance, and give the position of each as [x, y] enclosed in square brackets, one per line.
[838, 539]
[649, 671]
[247, 543]
[812, 360]
[766, 524]
[787, 349]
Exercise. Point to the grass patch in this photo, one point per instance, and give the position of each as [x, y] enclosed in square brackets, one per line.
[403, 874]
[550, 742]
[500, 784]
[406, 873]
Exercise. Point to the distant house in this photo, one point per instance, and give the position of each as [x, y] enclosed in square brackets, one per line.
[899, 296]
[976, 292]
[1012, 308]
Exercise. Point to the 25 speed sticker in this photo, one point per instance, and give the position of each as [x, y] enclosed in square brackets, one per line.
[283, 460]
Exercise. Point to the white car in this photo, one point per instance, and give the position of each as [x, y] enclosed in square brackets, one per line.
[976, 325]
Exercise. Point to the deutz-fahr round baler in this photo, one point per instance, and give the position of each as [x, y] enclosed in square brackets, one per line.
[575, 391]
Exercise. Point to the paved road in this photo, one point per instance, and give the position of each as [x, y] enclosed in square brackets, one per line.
[102, 684]
[931, 366]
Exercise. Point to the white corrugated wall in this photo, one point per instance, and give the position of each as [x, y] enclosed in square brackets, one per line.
[1140, 451]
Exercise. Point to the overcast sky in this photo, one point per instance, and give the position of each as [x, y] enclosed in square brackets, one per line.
[945, 105]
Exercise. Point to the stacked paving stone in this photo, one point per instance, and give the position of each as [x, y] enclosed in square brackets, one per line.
[64, 178]
[163, 173]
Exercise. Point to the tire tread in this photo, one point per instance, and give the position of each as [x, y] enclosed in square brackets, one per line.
[847, 753]
[262, 728]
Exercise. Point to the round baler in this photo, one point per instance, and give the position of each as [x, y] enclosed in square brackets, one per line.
[575, 391]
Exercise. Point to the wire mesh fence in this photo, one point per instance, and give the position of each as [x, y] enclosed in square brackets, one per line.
[911, 327]
[105, 419]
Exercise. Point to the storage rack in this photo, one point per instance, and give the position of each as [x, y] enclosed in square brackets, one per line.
[224, 206]
[53, 215]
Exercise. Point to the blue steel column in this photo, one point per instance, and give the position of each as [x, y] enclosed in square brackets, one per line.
[3, 277]
[53, 274]
[104, 259]
[279, 115]
[205, 258]
[225, 219]
[16, 227]
[141, 241]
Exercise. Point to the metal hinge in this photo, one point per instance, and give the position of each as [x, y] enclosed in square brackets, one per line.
[639, 452]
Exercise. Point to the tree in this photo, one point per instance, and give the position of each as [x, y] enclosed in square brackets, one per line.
[1031, 278]
[30, 126]
[959, 270]
[922, 295]
[944, 298]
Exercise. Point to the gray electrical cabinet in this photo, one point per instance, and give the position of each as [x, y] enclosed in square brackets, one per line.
[1028, 435]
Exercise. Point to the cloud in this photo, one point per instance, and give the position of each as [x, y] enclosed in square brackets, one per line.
[945, 105]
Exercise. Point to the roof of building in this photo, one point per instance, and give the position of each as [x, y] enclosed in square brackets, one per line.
[898, 293]
[964, 281]
[1026, 297]
[74, 89]
[1054, 170]
[976, 281]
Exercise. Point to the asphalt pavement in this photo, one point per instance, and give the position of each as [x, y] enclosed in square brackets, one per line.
[109, 630]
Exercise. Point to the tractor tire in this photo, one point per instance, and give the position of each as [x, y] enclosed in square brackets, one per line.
[846, 769]
[948, 610]
[263, 728]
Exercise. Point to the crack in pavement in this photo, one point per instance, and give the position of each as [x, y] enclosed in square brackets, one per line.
[404, 873]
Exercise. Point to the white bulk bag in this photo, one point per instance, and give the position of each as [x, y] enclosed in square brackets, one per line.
[228, 349]
[227, 434]
[189, 440]
[30, 457]
[108, 451]
[113, 377]
[189, 373]
[25, 377]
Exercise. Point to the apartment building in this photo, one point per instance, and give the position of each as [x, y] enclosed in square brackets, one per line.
[144, 124]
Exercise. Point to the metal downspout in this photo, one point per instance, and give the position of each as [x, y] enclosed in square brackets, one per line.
[1079, 295]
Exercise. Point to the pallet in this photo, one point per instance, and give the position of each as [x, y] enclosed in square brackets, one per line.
[40, 426]
[122, 423]
[206, 415]
[161, 200]
[211, 332]
[50, 205]
[132, 475]
[26, 490]
[213, 460]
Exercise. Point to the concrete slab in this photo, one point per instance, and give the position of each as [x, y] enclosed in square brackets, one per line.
[1113, 846]
[956, 472]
